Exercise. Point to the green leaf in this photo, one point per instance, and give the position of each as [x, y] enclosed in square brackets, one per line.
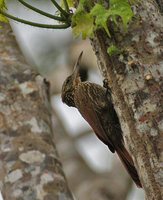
[87, 19]
[113, 50]
[2, 4]
[83, 24]
[101, 17]
[121, 8]
[70, 3]
[3, 7]
[82, 21]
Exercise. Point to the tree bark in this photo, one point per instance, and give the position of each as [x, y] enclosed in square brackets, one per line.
[30, 166]
[136, 81]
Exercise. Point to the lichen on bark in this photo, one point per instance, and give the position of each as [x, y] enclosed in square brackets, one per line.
[135, 77]
[30, 166]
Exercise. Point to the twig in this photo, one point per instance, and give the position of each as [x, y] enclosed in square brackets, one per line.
[41, 12]
[63, 12]
[49, 26]
[66, 6]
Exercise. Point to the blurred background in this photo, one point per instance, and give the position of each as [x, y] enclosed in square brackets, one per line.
[92, 171]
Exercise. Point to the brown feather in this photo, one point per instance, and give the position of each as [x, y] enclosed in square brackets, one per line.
[106, 127]
[95, 105]
[129, 165]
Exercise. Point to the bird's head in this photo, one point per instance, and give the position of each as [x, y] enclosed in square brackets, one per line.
[70, 84]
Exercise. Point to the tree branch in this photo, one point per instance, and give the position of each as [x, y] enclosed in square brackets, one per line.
[135, 77]
[30, 168]
[48, 26]
[41, 12]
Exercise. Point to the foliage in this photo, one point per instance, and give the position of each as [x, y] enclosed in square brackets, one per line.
[82, 21]
[89, 16]
[83, 25]
[113, 50]
[70, 3]
[2, 7]
[101, 16]
[63, 17]
[98, 16]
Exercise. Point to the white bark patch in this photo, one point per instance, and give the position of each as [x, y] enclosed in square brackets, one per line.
[44, 126]
[62, 196]
[34, 125]
[21, 148]
[2, 97]
[33, 156]
[27, 87]
[150, 38]
[143, 128]
[45, 178]
[17, 193]
[160, 125]
[9, 165]
[153, 132]
[136, 38]
[5, 147]
[14, 176]
[36, 171]
[5, 143]
[39, 79]
[148, 106]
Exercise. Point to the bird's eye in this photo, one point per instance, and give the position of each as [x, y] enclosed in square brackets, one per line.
[68, 80]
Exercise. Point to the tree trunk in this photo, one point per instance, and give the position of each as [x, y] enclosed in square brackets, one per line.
[136, 81]
[30, 167]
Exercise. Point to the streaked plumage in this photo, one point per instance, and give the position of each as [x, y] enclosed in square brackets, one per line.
[94, 104]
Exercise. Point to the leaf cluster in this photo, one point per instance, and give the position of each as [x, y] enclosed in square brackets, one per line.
[63, 16]
[88, 19]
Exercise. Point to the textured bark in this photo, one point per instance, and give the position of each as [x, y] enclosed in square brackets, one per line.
[160, 5]
[30, 167]
[135, 77]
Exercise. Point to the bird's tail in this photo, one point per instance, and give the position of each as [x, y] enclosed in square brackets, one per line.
[129, 164]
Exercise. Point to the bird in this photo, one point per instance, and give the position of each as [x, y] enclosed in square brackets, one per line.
[95, 104]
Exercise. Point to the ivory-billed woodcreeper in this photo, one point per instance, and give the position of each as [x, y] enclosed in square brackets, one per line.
[94, 103]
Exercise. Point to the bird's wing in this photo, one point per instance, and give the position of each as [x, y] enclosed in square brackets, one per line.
[85, 107]
[109, 135]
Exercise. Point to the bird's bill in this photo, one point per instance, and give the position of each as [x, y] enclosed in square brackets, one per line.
[77, 66]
